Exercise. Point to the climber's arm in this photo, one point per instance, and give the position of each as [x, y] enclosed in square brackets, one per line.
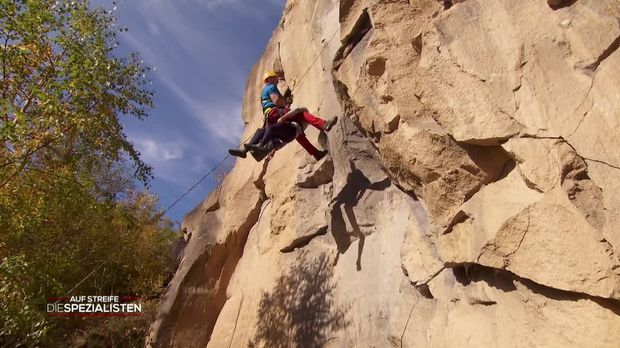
[276, 98]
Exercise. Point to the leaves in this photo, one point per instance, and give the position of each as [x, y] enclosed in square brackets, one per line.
[68, 204]
[60, 80]
[18, 294]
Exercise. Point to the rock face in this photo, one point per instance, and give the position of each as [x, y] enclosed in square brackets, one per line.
[470, 197]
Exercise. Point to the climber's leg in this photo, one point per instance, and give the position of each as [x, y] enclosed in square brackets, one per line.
[267, 134]
[309, 118]
[258, 135]
[305, 143]
[243, 149]
[286, 132]
[282, 131]
[315, 121]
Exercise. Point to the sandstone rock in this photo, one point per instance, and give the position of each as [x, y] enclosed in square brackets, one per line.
[419, 255]
[536, 162]
[489, 308]
[608, 179]
[313, 175]
[544, 242]
[468, 199]
[212, 203]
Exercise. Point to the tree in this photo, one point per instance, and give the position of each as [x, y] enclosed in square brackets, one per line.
[62, 89]
[71, 218]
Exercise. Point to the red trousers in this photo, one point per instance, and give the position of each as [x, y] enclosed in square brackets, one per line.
[305, 116]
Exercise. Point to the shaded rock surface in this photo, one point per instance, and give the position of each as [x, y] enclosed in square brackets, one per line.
[469, 198]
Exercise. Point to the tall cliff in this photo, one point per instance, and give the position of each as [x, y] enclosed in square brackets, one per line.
[470, 197]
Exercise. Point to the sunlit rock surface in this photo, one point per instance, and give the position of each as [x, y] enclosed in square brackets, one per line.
[470, 197]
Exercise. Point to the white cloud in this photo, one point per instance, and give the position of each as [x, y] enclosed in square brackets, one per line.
[221, 119]
[153, 28]
[167, 157]
[251, 8]
[157, 151]
[181, 69]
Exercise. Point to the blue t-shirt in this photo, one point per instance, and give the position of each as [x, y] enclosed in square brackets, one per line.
[265, 97]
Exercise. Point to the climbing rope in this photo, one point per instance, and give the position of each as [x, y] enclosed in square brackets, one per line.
[315, 59]
[191, 188]
[305, 45]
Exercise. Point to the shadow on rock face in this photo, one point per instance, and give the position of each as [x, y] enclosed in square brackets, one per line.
[299, 311]
[558, 4]
[356, 185]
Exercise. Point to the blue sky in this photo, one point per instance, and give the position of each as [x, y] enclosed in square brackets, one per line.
[202, 52]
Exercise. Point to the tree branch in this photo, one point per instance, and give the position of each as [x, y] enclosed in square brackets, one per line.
[29, 153]
[38, 148]
[4, 83]
[21, 167]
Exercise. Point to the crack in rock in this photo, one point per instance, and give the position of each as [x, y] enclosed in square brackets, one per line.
[504, 279]
[527, 228]
[585, 98]
[601, 162]
[592, 69]
[493, 249]
[301, 242]
[232, 336]
[613, 47]
[458, 218]
[408, 319]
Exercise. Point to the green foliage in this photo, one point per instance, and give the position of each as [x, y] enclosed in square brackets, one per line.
[20, 303]
[67, 234]
[63, 90]
[70, 216]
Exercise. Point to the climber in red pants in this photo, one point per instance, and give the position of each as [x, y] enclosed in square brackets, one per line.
[281, 116]
[276, 111]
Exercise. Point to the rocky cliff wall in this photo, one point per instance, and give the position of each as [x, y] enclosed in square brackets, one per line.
[470, 197]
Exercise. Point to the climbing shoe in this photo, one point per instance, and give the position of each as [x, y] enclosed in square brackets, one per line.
[239, 152]
[330, 123]
[319, 155]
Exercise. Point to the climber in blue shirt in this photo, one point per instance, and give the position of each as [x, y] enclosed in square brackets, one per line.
[276, 112]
